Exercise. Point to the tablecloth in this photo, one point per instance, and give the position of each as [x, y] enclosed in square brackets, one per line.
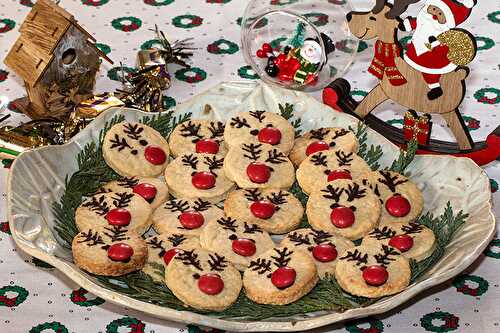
[36, 298]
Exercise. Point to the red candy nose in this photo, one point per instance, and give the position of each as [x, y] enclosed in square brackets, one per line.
[207, 146]
[169, 255]
[397, 206]
[191, 219]
[317, 146]
[119, 217]
[375, 275]
[120, 252]
[283, 277]
[324, 253]
[155, 155]
[269, 135]
[203, 180]
[342, 217]
[145, 190]
[339, 174]
[244, 247]
[210, 284]
[402, 242]
[262, 209]
[258, 172]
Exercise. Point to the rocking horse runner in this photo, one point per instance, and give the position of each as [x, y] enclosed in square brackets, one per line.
[407, 86]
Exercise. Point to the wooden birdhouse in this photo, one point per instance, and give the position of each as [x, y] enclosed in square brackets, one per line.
[57, 59]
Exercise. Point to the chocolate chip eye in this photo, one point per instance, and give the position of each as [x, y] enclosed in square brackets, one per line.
[353, 208]
[233, 237]
[269, 125]
[143, 142]
[334, 205]
[254, 132]
[333, 144]
[196, 276]
[327, 172]
[193, 173]
[310, 248]
[134, 152]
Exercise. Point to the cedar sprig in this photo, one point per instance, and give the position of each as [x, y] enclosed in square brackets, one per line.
[370, 154]
[286, 111]
[296, 190]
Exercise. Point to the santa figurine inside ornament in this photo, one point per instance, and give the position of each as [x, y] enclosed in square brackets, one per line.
[288, 45]
[428, 78]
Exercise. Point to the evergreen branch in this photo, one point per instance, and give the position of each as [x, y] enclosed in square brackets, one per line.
[303, 197]
[405, 157]
[165, 122]
[286, 111]
[371, 154]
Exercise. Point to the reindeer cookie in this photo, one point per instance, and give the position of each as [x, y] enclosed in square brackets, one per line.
[185, 216]
[114, 209]
[280, 276]
[240, 242]
[414, 241]
[323, 247]
[162, 248]
[330, 138]
[257, 165]
[372, 271]
[153, 190]
[202, 279]
[320, 168]
[198, 136]
[274, 210]
[110, 251]
[401, 199]
[134, 149]
[344, 207]
[259, 127]
[193, 175]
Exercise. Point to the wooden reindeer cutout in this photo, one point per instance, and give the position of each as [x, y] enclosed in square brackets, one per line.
[429, 78]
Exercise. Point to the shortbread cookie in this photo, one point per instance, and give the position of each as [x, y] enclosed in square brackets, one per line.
[274, 210]
[203, 280]
[197, 136]
[259, 127]
[322, 167]
[256, 165]
[240, 242]
[185, 216]
[414, 241]
[110, 251]
[280, 276]
[114, 208]
[134, 149]
[194, 175]
[323, 247]
[153, 190]
[401, 199]
[372, 271]
[162, 248]
[344, 207]
[330, 138]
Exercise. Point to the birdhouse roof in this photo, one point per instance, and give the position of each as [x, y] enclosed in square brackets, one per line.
[41, 31]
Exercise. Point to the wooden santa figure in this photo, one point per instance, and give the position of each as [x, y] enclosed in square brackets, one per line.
[425, 52]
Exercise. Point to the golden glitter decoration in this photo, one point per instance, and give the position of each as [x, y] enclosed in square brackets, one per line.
[462, 47]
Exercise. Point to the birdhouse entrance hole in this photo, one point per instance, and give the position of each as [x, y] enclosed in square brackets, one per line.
[68, 56]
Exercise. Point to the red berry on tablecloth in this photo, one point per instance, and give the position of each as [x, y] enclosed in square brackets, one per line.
[263, 209]
[324, 252]
[398, 206]
[375, 275]
[317, 146]
[261, 54]
[339, 174]
[244, 247]
[120, 252]
[210, 284]
[145, 190]
[118, 217]
[191, 220]
[207, 146]
[402, 242]
[270, 135]
[283, 277]
[203, 180]
[342, 217]
[155, 155]
[169, 255]
[258, 172]
[266, 47]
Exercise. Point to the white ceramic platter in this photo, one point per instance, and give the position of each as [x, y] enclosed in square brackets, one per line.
[37, 180]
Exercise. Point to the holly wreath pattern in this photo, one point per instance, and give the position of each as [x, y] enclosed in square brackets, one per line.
[494, 17]
[197, 329]
[94, 3]
[283, 2]
[461, 283]
[10, 302]
[191, 75]
[218, 1]
[360, 93]
[4, 226]
[187, 21]
[337, 2]
[261, 24]
[3, 75]
[54, 326]
[223, 46]
[490, 252]
[486, 43]
[481, 96]
[7, 163]
[345, 46]
[135, 325]
[375, 326]
[79, 297]
[150, 44]
[104, 48]
[493, 185]
[114, 75]
[41, 264]
[6, 25]
[158, 2]
[246, 72]
[318, 19]
[168, 102]
[27, 3]
[126, 23]
[472, 123]
[450, 322]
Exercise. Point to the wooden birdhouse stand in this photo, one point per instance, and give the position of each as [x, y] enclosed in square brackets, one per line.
[57, 59]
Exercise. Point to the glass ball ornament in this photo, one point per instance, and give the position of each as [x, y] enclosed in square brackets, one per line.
[298, 44]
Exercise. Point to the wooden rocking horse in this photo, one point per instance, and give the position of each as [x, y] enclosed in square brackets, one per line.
[382, 23]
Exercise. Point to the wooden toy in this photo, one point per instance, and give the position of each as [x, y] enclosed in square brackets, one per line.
[428, 78]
